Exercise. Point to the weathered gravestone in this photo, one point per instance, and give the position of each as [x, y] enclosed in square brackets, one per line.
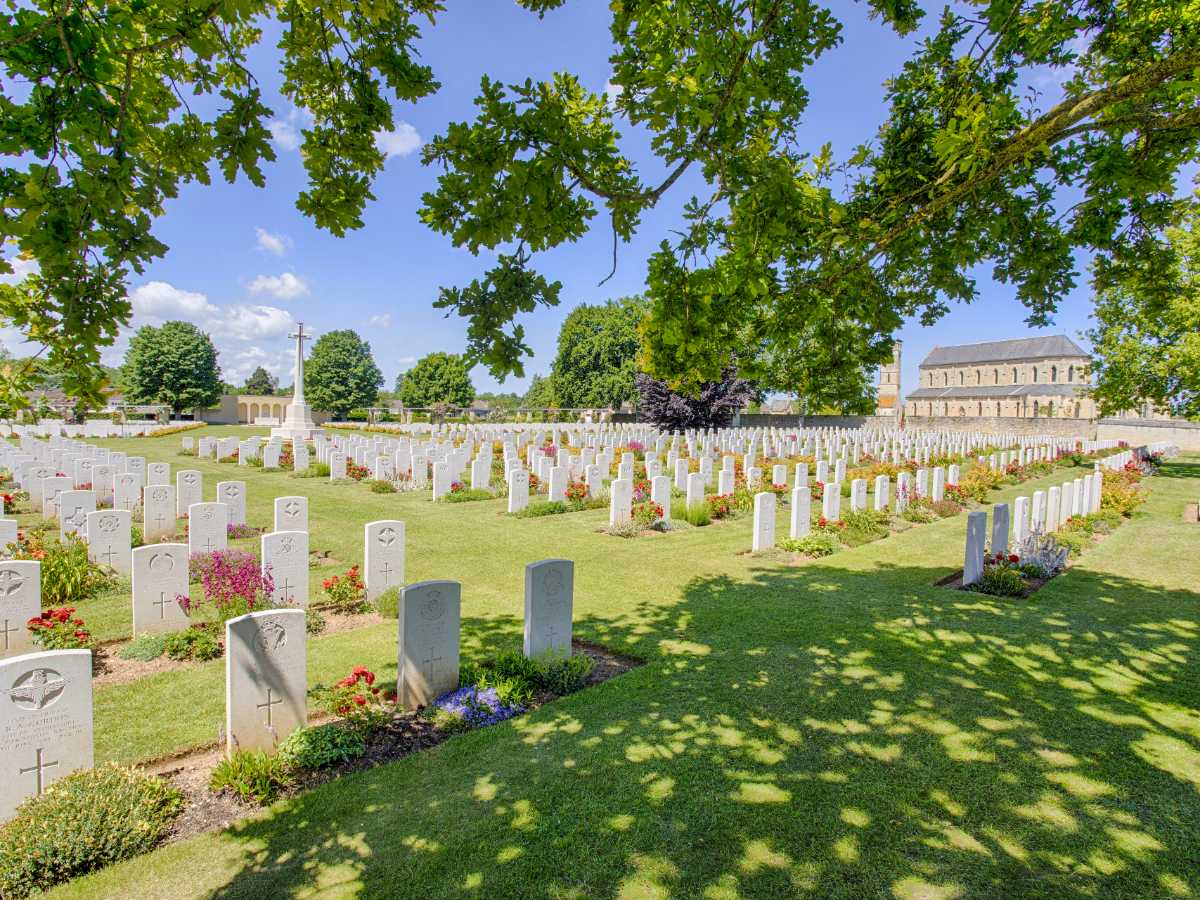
[429, 631]
[337, 465]
[45, 722]
[73, 509]
[158, 512]
[265, 678]
[127, 490]
[108, 537]
[549, 596]
[52, 489]
[300, 458]
[291, 514]
[285, 557]
[383, 556]
[208, 527]
[160, 578]
[189, 489]
[20, 601]
[233, 495]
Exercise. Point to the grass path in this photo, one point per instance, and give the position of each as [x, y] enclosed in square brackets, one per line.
[839, 729]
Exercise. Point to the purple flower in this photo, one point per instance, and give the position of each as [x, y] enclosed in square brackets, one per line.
[477, 707]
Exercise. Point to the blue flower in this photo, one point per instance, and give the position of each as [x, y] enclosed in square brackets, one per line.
[477, 707]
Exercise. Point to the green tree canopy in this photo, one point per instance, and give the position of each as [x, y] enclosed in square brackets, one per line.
[1146, 341]
[174, 364]
[260, 382]
[541, 393]
[119, 103]
[597, 357]
[789, 246]
[437, 378]
[340, 374]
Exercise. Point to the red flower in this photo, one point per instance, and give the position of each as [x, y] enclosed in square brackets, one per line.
[360, 700]
[1012, 558]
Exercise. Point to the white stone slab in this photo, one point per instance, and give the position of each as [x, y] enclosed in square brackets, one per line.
[45, 722]
[160, 578]
[108, 538]
[158, 513]
[208, 527]
[233, 495]
[285, 557]
[429, 631]
[189, 489]
[73, 509]
[20, 601]
[266, 678]
[383, 556]
[549, 596]
[291, 514]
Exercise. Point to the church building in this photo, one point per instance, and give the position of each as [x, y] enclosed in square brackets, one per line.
[1027, 378]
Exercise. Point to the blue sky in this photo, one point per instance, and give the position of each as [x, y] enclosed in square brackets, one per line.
[246, 265]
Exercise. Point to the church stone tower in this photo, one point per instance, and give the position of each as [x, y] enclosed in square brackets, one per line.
[887, 402]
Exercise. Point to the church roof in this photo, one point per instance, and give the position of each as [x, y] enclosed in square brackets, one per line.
[1004, 351]
[997, 391]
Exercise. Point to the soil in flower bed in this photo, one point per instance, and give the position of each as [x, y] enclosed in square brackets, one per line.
[1033, 585]
[407, 733]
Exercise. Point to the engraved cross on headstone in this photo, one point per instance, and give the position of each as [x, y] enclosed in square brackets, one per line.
[8, 629]
[387, 573]
[108, 555]
[284, 591]
[37, 769]
[161, 603]
[268, 704]
[160, 519]
[430, 666]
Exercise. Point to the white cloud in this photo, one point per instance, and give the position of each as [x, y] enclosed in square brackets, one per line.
[251, 322]
[286, 132]
[286, 286]
[21, 268]
[162, 301]
[401, 141]
[384, 320]
[278, 244]
[612, 92]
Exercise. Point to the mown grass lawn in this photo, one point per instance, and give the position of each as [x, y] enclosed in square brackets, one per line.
[840, 729]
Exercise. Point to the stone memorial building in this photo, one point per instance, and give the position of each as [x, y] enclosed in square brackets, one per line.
[1027, 378]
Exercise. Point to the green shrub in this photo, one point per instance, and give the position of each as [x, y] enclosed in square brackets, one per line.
[539, 508]
[84, 822]
[68, 576]
[380, 486]
[449, 722]
[199, 642]
[698, 515]
[1000, 581]
[136, 537]
[314, 622]
[314, 470]
[388, 603]
[144, 647]
[918, 513]
[1075, 541]
[549, 671]
[321, 745]
[468, 495]
[945, 509]
[815, 543]
[253, 775]
[867, 521]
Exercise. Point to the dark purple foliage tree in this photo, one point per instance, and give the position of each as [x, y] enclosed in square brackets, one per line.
[713, 406]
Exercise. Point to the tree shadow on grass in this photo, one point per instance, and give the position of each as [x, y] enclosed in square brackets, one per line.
[808, 731]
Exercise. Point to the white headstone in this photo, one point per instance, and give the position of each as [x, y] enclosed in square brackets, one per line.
[127, 491]
[800, 519]
[208, 527]
[883, 493]
[383, 556]
[695, 490]
[300, 458]
[285, 557]
[158, 512]
[858, 494]
[20, 601]
[558, 484]
[160, 577]
[1000, 528]
[158, 473]
[429, 633]
[976, 535]
[108, 537]
[266, 678]
[549, 592]
[291, 514]
[337, 465]
[189, 489]
[518, 490]
[620, 505]
[233, 495]
[73, 509]
[660, 493]
[45, 722]
[764, 522]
